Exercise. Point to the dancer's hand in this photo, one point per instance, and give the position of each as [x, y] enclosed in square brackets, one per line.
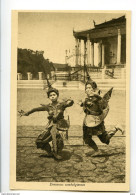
[79, 102]
[22, 113]
[69, 100]
[42, 104]
[66, 99]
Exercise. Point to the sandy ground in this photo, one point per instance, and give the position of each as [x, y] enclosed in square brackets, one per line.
[77, 164]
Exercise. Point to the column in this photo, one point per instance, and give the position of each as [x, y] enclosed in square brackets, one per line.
[103, 55]
[40, 75]
[76, 53]
[103, 73]
[123, 73]
[19, 76]
[29, 75]
[88, 50]
[85, 52]
[48, 76]
[119, 48]
[66, 57]
[79, 51]
[92, 54]
[52, 74]
[99, 55]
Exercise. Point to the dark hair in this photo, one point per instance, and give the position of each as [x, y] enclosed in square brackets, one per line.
[52, 90]
[92, 83]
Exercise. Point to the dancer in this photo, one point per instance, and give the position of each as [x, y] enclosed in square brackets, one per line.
[96, 109]
[55, 124]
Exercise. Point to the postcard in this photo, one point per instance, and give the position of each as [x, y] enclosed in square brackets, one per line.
[70, 75]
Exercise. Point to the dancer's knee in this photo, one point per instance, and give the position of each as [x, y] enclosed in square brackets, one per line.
[104, 138]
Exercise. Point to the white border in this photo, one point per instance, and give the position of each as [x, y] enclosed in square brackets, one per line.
[6, 7]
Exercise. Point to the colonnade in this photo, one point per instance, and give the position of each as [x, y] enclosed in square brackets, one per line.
[89, 51]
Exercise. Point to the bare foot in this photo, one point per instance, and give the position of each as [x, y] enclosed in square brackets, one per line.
[96, 153]
[118, 128]
[56, 156]
[90, 153]
[48, 155]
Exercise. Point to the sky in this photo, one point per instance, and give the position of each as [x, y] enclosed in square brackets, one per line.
[52, 32]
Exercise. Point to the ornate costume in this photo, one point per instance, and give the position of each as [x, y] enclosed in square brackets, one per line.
[96, 109]
[56, 123]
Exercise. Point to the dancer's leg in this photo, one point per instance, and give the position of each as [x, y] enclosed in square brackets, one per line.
[43, 142]
[87, 137]
[54, 142]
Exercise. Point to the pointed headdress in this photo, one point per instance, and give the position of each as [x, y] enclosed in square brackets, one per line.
[89, 80]
[51, 89]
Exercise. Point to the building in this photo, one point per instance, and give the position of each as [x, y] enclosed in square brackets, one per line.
[61, 71]
[60, 67]
[109, 38]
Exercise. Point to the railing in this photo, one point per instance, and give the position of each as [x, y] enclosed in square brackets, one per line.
[79, 74]
[38, 76]
[99, 73]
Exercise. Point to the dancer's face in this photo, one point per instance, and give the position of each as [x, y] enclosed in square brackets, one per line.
[89, 90]
[53, 96]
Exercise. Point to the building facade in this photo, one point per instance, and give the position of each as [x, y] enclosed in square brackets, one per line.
[110, 40]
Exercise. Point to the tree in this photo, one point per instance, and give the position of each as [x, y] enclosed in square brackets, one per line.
[34, 62]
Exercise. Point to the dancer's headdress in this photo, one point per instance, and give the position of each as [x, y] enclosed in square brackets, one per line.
[89, 80]
[107, 95]
[51, 89]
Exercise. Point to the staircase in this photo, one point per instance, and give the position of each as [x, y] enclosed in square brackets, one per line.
[119, 73]
[32, 84]
[103, 84]
[68, 85]
[62, 75]
[117, 84]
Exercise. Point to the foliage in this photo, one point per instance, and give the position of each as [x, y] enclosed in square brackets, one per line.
[34, 62]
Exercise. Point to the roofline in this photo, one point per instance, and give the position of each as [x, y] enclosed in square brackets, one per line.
[98, 25]
[114, 19]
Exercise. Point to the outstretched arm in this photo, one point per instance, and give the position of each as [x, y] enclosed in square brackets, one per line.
[81, 104]
[68, 103]
[43, 108]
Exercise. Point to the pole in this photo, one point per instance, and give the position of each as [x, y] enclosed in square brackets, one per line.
[84, 65]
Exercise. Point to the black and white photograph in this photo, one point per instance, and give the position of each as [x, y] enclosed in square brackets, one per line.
[70, 100]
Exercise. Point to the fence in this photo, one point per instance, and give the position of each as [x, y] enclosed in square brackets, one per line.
[79, 74]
